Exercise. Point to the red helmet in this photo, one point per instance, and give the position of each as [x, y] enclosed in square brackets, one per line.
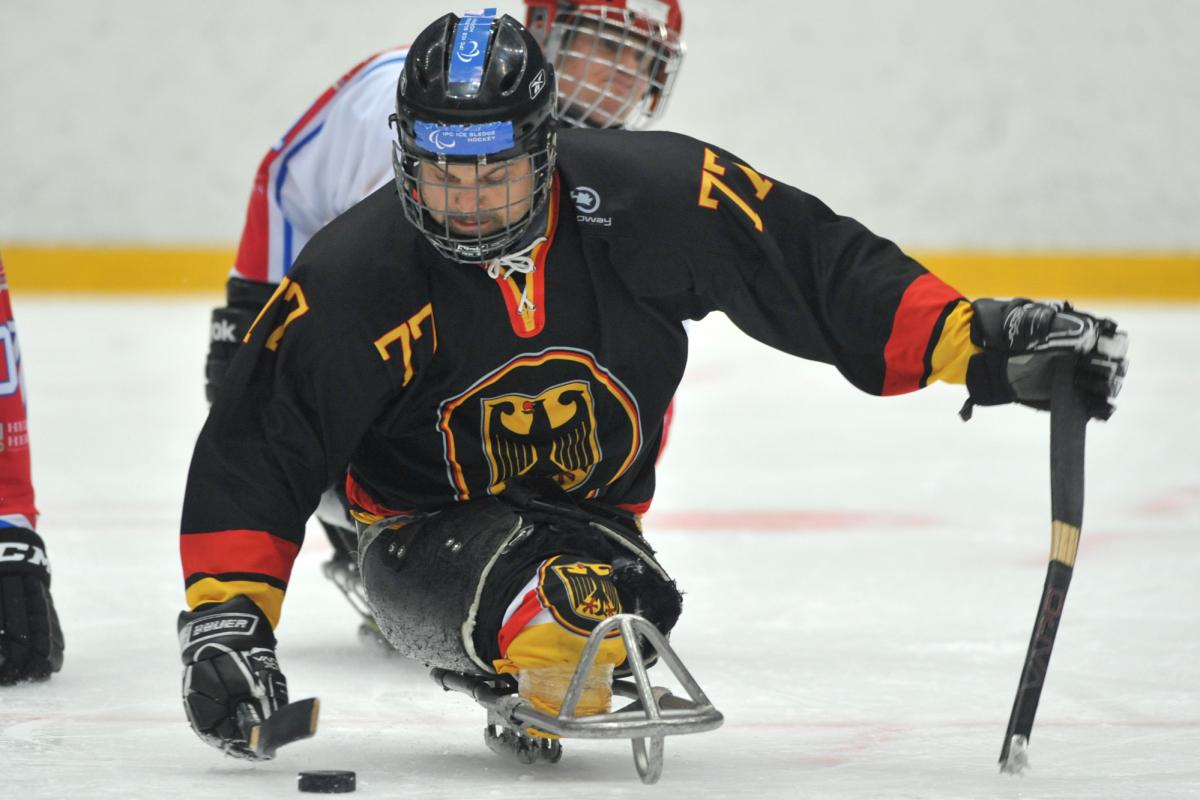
[617, 60]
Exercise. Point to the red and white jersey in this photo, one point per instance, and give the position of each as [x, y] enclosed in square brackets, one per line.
[16, 488]
[336, 153]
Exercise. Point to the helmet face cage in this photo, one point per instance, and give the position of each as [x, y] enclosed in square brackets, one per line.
[616, 67]
[472, 210]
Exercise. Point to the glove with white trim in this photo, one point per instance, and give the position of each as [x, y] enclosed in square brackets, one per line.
[231, 677]
[1022, 339]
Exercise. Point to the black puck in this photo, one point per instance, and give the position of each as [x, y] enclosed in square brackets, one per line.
[327, 781]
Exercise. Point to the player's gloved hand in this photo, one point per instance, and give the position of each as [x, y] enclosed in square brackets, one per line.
[31, 640]
[1021, 340]
[244, 299]
[231, 678]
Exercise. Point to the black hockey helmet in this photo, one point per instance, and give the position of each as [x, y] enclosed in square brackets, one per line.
[476, 125]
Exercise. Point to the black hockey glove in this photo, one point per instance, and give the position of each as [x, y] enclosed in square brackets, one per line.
[31, 641]
[229, 325]
[231, 678]
[1021, 340]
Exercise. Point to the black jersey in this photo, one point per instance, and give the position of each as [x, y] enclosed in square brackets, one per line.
[423, 382]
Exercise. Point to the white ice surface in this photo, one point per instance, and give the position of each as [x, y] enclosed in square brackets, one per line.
[861, 577]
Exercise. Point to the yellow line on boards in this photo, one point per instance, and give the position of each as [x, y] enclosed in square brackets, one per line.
[1117, 276]
[167, 270]
[116, 270]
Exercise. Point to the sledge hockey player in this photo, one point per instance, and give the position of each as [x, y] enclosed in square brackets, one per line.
[31, 640]
[617, 62]
[490, 344]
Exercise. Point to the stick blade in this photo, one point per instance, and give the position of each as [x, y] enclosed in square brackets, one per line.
[288, 724]
[1015, 757]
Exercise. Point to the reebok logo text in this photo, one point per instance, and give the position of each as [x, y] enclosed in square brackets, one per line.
[224, 331]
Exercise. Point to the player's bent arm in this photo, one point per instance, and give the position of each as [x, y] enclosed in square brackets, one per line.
[275, 438]
[806, 280]
[799, 277]
[320, 361]
[271, 444]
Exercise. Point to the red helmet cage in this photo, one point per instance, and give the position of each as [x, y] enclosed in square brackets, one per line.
[539, 14]
[552, 23]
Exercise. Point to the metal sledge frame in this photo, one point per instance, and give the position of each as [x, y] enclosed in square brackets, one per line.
[655, 713]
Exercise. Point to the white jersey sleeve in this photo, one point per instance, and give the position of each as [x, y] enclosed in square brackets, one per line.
[337, 153]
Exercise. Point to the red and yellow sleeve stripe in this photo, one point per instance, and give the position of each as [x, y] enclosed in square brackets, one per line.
[218, 565]
[930, 339]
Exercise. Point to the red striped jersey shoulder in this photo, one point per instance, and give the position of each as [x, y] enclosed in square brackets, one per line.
[278, 226]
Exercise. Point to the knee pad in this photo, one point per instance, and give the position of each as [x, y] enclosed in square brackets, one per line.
[439, 586]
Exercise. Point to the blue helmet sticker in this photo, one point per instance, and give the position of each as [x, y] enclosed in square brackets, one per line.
[470, 46]
[482, 138]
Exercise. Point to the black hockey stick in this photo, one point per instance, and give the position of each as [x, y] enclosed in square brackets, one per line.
[289, 723]
[1068, 423]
